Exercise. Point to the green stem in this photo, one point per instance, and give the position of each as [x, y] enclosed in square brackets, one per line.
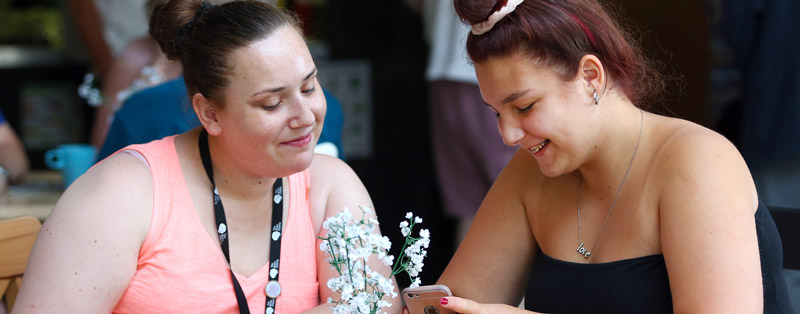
[397, 262]
[334, 259]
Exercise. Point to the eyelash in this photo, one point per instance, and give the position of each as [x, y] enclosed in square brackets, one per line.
[526, 109]
[520, 110]
[275, 106]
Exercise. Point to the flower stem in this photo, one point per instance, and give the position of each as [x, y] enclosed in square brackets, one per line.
[395, 269]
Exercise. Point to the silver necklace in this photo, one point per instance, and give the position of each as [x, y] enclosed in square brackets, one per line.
[581, 249]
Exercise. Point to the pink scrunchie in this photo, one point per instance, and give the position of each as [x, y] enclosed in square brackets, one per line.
[485, 26]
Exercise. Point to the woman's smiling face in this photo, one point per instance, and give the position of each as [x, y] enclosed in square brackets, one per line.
[539, 111]
[274, 107]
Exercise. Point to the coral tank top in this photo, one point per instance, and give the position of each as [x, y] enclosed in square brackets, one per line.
[182, 270]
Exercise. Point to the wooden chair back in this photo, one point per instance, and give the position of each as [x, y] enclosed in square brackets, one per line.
[16, 241]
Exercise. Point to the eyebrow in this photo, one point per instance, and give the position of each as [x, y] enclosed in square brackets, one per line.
[515, 95]
[278, 89]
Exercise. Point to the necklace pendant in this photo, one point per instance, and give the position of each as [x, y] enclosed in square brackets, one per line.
[582, 251]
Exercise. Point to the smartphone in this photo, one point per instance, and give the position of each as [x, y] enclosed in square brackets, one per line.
[425, 299]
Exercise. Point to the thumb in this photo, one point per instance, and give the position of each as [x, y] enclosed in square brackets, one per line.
[461, 305]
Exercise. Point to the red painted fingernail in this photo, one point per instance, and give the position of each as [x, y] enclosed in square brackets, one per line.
[443, 301]
[405, 309]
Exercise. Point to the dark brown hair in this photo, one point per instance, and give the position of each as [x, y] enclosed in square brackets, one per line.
[202, 37]
[559, 33]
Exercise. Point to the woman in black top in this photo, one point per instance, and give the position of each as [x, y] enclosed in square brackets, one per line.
[605, 207]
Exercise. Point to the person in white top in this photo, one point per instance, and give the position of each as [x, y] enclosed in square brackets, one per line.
[468, 150]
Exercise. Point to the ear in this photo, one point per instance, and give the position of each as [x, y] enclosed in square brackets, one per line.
[591, 72]
[207, 113]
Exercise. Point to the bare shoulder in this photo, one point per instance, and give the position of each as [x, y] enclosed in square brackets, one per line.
[334, 186]
[706, 205]
[327, 165]
[118, 191]
[683, 138]
[328, 172]
[87, 250]
[686, 147]
[691, 157]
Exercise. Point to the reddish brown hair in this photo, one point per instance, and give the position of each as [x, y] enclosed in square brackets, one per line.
[559, 33]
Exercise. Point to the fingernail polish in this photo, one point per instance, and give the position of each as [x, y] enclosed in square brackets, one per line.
[443, 301]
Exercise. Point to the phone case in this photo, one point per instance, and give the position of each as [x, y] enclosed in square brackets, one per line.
[425, 299]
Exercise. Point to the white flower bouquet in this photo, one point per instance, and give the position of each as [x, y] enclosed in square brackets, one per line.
[350, 243]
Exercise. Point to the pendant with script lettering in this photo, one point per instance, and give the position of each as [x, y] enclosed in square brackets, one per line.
[582, 251]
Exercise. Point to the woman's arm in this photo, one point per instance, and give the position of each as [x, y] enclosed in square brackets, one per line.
[124, 70]
[87, 250]
[335, 186]
[90, 27]
[12, 155]
[708, 232]
[493, 262]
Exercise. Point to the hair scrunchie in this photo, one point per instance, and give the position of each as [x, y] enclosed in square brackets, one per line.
[485, 26]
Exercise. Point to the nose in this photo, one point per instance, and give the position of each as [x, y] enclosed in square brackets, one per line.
[510, 131]
[303, 113]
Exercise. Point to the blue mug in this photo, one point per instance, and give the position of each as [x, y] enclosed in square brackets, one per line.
[72, 159]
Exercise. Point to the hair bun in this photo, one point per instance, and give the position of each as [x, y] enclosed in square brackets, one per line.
[171, 24]
[476, 11]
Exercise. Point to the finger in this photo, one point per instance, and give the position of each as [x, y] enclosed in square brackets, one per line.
[405, 310]
[461, 305]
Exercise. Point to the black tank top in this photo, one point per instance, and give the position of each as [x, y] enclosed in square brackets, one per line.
[640, 285]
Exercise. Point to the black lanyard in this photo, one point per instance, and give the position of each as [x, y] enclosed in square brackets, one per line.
[273, 288]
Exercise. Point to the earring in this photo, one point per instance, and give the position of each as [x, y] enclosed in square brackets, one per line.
[595, 97]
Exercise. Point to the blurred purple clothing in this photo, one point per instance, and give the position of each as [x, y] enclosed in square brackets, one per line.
[468, 150]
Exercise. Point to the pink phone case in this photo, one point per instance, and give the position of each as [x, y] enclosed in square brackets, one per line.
[425, 299]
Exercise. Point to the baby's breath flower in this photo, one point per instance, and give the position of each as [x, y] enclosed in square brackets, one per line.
[349, 244]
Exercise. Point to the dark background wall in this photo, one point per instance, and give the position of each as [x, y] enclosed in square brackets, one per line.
[399, 176]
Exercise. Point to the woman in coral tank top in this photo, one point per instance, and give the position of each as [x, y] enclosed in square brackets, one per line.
[220, 219]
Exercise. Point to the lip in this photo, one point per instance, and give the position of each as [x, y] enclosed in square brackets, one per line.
[300, 141]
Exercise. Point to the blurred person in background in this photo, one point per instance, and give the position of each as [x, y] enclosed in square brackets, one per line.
[140, 64]
[468, 150]
[13, 161]
[107, 26]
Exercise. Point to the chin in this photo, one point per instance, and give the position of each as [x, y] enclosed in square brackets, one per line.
[551, 172]
[300, 161]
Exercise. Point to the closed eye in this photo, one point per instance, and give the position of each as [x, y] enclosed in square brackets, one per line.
[272, 107]
[311, 83]
[526, 109]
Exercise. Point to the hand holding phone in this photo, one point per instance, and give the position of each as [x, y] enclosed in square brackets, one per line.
[425, 299]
